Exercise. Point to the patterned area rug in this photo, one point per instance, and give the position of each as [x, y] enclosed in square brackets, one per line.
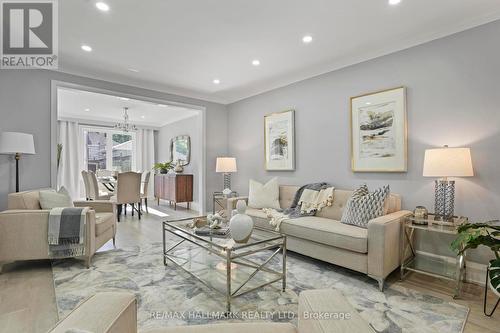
[169, 297]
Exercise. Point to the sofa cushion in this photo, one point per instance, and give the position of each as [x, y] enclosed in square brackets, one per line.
[327, 231]
[103, 221]
[260, 327]
[264, 195]
[364, 206]
[24, 200]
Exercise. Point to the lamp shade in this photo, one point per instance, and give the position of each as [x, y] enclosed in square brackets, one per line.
[226, 164]
[448, 162]
[16, 143]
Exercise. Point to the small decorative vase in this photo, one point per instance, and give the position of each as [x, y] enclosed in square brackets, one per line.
[178, 167]
[421, 214]
[241, 225]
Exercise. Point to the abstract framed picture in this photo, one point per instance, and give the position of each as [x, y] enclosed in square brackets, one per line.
[379, 131]
[279, 141]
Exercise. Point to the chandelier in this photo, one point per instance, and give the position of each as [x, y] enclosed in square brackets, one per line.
[125, 126]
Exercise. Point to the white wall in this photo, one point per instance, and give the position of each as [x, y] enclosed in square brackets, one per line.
[192, 127]
[453, 98]
[25, 106]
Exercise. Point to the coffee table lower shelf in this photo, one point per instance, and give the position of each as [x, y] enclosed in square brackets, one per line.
[229, 271]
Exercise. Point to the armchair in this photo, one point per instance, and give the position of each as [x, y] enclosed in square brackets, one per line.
[24, 227]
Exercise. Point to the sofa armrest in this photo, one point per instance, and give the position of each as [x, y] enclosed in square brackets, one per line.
[384, 241]
[327, 310]
[100, 206]
[231, 203]
[106, 312]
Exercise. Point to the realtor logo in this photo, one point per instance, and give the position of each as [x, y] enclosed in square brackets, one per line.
[29, 34]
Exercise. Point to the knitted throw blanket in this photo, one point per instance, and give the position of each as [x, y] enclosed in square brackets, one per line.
[66, 234]
[308, 200]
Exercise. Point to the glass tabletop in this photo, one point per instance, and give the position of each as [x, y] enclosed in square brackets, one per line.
[260, 237]
[431, 224]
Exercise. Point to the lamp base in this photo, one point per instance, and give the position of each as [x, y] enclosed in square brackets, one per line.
[444, 201]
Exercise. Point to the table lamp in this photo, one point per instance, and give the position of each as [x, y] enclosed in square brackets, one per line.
[14, 143]
[226, 165]
[446, 162]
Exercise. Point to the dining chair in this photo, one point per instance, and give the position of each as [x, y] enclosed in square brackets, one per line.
[86, 184]
[95, 192]
[144, 192]
[128, 191]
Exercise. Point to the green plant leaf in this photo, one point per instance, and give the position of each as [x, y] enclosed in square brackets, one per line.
[494, 277]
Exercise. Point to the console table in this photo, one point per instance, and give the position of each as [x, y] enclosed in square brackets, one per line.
[176, 188]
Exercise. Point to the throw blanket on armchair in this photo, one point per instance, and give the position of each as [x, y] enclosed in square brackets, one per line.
[308, 200]
[66, 233]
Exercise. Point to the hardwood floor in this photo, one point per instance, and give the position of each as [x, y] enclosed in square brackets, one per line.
[27, 299]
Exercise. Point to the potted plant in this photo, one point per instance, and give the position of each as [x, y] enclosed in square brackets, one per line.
[163, 167]
[470, 236]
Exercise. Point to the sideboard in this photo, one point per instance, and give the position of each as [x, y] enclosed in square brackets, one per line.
[175, 188]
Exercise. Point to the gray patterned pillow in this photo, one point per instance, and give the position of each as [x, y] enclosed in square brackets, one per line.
[364, 206]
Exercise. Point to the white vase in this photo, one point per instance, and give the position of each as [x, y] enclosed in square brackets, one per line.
[241, 225]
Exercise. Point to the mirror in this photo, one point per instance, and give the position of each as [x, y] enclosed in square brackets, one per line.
[180, 149]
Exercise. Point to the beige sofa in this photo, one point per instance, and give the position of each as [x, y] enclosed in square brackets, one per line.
[115, 312]
[373, 251]
[24, 227]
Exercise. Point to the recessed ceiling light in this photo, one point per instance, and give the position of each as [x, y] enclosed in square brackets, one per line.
[87, 109]
[368, 103]
[133, 70]
[162, 105]
[307, 39]
[142, 117]
[102, 6]
[394, 2]
[216, 81]
[86, 48]
[255, 62]
[124, 98]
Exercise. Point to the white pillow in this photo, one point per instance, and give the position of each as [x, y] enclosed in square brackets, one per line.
[264, 195]
[51, 199]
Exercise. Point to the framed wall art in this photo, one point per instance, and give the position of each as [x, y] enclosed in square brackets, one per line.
[379, 131]
[279, 141]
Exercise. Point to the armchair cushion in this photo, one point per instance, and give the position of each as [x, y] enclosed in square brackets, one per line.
[51, 199]
[103, 221]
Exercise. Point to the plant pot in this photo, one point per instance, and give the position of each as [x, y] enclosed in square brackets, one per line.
[163, 171]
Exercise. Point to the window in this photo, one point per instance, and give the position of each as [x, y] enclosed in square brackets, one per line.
[108, 149]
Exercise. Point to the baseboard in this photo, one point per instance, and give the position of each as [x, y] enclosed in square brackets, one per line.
[475, 272]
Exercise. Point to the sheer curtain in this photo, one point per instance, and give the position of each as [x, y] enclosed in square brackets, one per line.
[146, 154]
[68, 172]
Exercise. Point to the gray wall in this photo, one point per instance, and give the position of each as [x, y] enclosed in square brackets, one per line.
[25, 101]
[453, 98]
[189, 126]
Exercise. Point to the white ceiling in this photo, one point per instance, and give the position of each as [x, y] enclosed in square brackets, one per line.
[180, 46]
[74, 104]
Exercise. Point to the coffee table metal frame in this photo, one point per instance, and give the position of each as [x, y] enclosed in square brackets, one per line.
[231, 255]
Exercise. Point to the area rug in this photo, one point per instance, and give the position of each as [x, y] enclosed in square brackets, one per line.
[169, 297]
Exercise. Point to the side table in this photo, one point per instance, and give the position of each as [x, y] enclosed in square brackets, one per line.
[219, 201]
[426, 264]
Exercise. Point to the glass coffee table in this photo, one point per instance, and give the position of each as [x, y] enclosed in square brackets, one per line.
[217, 262]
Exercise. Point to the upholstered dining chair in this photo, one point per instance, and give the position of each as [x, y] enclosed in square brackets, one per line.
[86, 184]
[144, 191]
[95, 192]
[128, 191]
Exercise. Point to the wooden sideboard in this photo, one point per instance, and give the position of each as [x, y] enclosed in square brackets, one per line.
[176, 188]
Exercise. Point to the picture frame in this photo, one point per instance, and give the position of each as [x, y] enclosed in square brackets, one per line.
[279, 141]
[379, 131]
